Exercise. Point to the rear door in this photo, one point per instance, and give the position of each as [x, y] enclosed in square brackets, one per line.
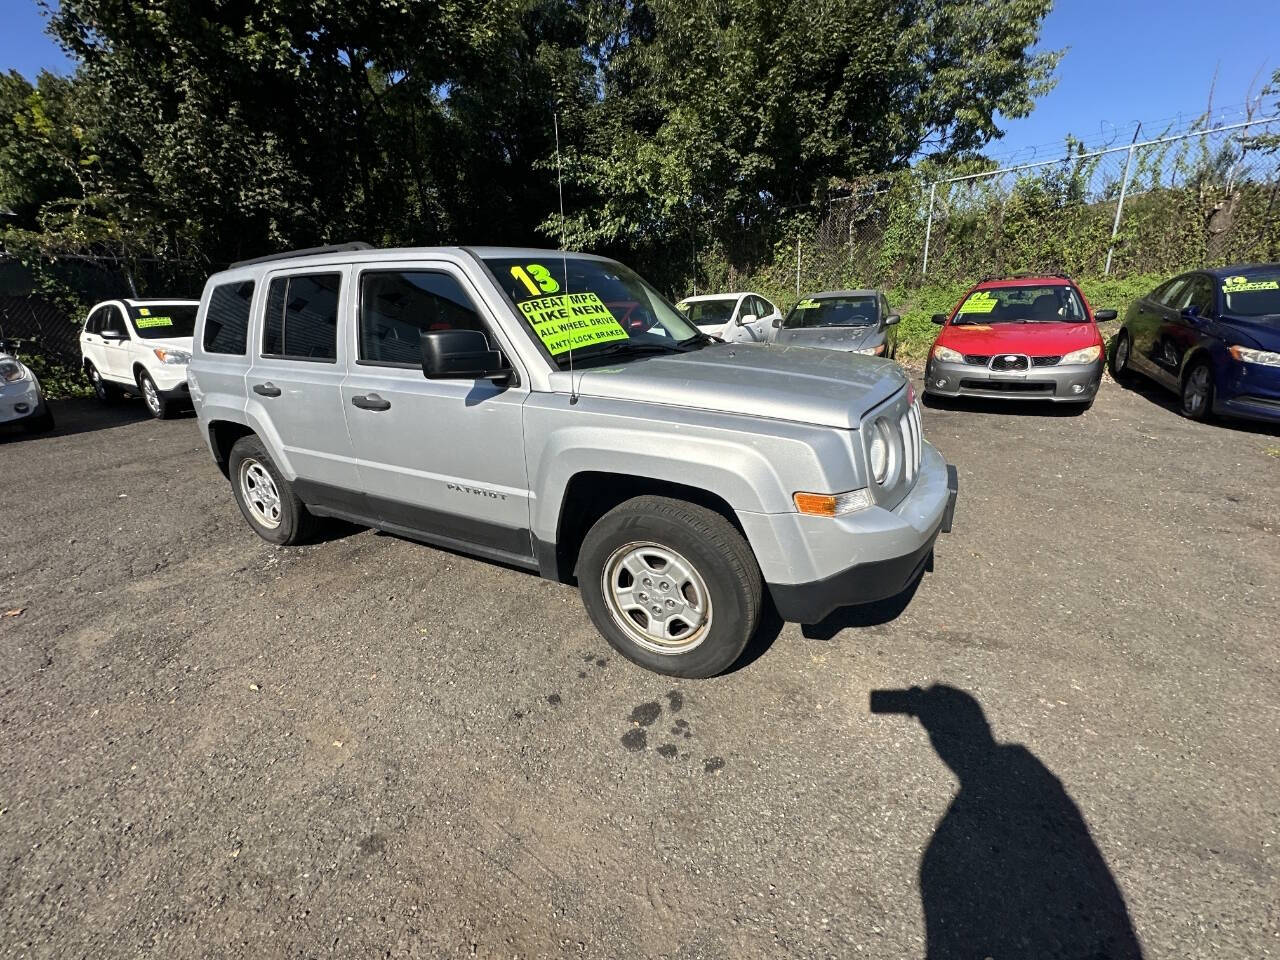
[440, 459]
[1145, 325]
[295, 384]
[115, 350]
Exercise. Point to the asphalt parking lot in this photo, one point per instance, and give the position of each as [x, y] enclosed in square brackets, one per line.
[366, 747]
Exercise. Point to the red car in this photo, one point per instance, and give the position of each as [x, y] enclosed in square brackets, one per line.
[1025, 338]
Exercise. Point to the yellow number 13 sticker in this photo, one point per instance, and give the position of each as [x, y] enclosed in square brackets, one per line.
[536, 278]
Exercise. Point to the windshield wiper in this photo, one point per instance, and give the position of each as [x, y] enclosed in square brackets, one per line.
[628, 346]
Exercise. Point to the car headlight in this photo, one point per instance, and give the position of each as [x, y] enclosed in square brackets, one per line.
[172, 355]
[1087, 355]
[11, 371]
[1264, 358]
[878, 450]
[832, 504]
[947, 355]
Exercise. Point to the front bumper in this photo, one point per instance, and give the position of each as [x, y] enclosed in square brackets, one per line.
[866, 556]
[20, 400]
[1249, 390]
[1063, 383]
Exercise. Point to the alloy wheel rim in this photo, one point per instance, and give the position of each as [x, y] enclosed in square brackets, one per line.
[1196, 393]
[260, 493]
[1122, 354]
[657, 597]
[96, 379]
[149, 391]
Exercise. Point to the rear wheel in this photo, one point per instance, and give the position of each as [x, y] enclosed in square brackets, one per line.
[265, 497]
[1120, 368]
[672, 586]
[105, 392]
[1197, 391]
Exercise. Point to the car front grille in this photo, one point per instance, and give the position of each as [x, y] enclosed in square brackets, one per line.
[977, 359]
[1003, 362]
[901, 420]
[1045, 361]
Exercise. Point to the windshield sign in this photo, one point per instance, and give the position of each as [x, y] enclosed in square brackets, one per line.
[1057, 303]
[590, 307]
[832, 312]
[164, 320]
[1255, 295]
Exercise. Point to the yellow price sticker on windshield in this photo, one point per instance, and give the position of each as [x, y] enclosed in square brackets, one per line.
[143, 322]
[1245, 285]
[536, 278]
[571, 321]
[143, 311]
[980, 302]
[809, 304]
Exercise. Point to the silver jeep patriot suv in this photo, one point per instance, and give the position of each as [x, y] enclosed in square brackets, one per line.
[553, 411]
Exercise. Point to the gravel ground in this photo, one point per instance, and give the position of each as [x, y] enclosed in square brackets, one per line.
[367, 747]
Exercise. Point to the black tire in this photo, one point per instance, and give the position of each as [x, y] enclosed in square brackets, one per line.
[1121, 368]
[1195, 399]
[104, 391]
[715, 551]
[156, 404]
[42, 422]
[294, 524]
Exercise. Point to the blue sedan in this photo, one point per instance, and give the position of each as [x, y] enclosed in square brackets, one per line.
[1212, 337]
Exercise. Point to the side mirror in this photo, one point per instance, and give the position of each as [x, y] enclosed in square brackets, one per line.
[460, 355]
[939, 318]
[1102, 316]
[746, 318]
[892, 320]
[1191, 313]
[777, 321]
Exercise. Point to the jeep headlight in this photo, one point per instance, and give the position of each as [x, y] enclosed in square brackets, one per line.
[172, 355]
[1087, 355]
[12, 371]
[1263, 358]
[878, 450]
[947, 355]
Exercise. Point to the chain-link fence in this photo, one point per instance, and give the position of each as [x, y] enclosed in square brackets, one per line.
[1156, 206]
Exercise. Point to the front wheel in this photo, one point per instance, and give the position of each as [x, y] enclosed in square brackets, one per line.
[1197, 391]
[157, 405]
[672, 586]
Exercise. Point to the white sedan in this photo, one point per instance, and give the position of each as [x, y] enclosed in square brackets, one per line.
[735, 317]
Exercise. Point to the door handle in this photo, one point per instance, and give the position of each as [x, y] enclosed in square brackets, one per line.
[371, 402]
[267, 389]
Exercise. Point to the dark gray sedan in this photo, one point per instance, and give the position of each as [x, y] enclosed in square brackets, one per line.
[857, 321]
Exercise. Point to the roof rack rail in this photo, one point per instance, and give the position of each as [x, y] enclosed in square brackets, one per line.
[309, 251]
[1023, 274]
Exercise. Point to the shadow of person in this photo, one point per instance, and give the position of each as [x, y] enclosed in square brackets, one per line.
[1011, 870]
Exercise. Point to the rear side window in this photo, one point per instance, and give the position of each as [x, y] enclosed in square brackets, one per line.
[396, 306]
[301, 321]
[226, 325]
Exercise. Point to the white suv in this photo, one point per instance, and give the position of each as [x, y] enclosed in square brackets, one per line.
[733, 317]
[140, 347]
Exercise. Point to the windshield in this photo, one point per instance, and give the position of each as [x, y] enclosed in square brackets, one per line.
[708, 313]
[832, 312]
[163, 320]
[1255, 295]
[592, 307]
[1056, 303]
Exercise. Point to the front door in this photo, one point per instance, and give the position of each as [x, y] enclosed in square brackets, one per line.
[439, 459]
[295, 385]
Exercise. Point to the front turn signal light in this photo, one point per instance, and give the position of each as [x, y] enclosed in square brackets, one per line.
[831, 504]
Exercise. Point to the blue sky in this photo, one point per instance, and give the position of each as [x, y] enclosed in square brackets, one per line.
[1129, 60]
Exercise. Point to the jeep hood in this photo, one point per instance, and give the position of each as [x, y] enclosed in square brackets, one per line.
[799, 384]
[832, 338]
